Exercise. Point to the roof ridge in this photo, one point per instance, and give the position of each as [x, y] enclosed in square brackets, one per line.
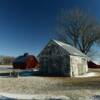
[71, 49]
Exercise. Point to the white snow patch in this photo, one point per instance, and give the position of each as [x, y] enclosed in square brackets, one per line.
[91, 74]
[31, 97]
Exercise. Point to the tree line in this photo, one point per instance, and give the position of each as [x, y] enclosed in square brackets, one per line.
[6, 60]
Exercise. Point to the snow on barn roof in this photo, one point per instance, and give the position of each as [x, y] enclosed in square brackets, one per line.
[70, 49]
[22, 58]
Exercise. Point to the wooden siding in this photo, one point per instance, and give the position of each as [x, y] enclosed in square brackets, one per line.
[26, 62]
[54, 61]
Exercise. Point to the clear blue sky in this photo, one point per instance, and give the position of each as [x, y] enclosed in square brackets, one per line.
[27, 25]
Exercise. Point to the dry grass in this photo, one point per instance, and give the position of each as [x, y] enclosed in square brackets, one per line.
[73, 87]
[46, 85]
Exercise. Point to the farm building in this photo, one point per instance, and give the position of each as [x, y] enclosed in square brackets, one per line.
[91, 64]
[25, 62]
[58, 58]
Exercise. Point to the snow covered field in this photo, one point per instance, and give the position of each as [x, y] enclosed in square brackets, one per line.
[86, 87]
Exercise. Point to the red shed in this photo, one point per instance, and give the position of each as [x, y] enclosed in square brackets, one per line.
[25, 62]
[91, 64]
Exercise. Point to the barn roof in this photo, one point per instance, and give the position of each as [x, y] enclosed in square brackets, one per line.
[22, 58]
[70, 49]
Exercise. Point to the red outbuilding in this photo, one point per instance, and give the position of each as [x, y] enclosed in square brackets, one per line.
[91, 64]
[25, 61]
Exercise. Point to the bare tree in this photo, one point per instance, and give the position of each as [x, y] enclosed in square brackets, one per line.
[78, 28]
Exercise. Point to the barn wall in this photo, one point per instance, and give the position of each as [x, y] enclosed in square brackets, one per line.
[78, 65]
[55, 65]
[54, 60]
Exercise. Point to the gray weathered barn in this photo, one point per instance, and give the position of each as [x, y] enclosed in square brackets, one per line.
[58, 58]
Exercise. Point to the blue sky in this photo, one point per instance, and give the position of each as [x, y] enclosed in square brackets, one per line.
[27, 25]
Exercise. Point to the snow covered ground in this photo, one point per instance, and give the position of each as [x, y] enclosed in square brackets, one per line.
[90, 74]
[31, 97]
[84, 87]
[8, 96]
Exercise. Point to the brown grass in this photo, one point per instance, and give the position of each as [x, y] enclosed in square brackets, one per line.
[48, 84]
[51, 85]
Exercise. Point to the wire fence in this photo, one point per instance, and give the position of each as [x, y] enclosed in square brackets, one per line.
[15, 72]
